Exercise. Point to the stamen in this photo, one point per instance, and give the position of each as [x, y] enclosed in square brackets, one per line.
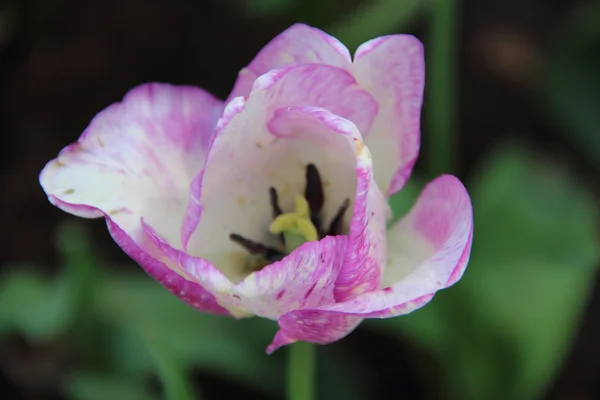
[275, 202]
[314, 194]
[335, 228]
[268, 253]
[276, 209]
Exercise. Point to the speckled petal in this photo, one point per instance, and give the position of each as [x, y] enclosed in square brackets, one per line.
[429, 251]
[136, 159]
[392, 69]
[299, 44]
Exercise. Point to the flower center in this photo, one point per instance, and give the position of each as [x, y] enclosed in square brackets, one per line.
[294, 228]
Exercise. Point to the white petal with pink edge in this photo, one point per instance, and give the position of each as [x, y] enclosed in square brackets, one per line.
[134, 160]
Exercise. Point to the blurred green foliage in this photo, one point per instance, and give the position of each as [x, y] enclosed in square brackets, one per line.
[504, 329]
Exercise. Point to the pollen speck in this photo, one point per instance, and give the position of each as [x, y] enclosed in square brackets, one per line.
[359, 145]
[241, 201]
[69, 191]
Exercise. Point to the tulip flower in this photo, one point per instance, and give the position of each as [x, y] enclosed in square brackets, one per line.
[274, 204]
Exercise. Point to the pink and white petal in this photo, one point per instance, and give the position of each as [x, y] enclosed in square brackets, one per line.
[305, 278]
[136, 158]
[312, 326]
[392, 69]
[299, 44]
[251, 154]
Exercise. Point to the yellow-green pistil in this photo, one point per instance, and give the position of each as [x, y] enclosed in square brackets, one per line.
[296, 227]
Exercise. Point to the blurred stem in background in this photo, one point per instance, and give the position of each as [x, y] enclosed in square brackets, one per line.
[301, 371]
[176, 385]
[442, 156]
[374, 18]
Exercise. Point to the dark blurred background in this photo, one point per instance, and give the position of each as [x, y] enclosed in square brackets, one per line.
[514, 93]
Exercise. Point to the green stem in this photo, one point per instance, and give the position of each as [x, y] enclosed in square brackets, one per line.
[301, 371]
[442, 150]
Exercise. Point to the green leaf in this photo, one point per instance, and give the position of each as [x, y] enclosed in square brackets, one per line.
[503, 331]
